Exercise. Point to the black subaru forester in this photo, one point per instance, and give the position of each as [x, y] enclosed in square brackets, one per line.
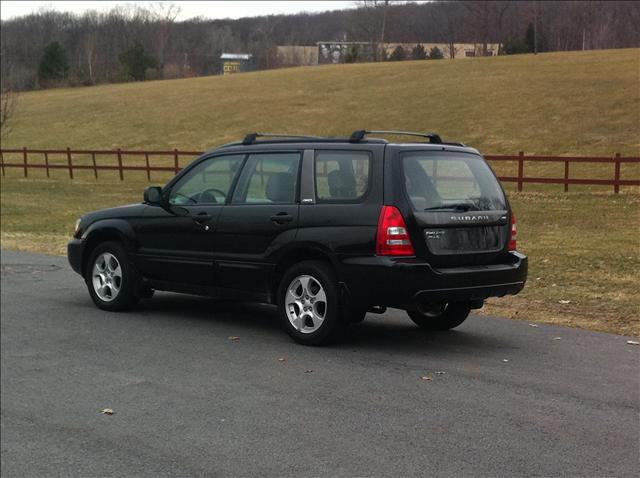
[327, 229]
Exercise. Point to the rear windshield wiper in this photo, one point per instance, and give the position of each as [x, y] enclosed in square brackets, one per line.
[451, 207]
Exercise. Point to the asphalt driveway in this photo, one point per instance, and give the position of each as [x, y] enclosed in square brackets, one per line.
[498, 397]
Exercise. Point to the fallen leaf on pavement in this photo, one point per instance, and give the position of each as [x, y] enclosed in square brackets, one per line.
[234, 338]
[633, 342]
[106, 411]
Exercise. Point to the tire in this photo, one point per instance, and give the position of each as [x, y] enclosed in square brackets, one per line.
[110, 277]
[451, 316]
[309, 306]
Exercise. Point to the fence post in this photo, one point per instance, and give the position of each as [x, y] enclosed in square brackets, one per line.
[176, 166]
[120, 165]
[566, 176]
[46, 163]
[520, 169]
[146, 159]
[616, 174]
[69, 162]
[2, 162]
[95, 168]
[24, 158]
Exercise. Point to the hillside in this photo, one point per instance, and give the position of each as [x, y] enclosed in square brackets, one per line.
[556, 103]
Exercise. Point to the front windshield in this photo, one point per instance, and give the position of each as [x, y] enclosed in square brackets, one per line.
[451, 181]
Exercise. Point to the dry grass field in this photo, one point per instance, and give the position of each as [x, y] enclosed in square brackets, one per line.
[584, 246]
[552, 103]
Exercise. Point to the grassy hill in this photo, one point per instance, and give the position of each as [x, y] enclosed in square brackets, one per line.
[555, 103]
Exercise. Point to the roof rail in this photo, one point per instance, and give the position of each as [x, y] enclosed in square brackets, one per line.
[360, 134]
[251, 137]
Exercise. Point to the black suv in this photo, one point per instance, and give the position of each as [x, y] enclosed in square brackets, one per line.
[326, 228]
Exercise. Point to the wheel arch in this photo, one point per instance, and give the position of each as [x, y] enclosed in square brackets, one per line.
[107, 230]
[307, 252]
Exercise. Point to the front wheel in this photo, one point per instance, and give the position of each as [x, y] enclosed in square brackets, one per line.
[309, 305]
[110, 277]
[441, 317]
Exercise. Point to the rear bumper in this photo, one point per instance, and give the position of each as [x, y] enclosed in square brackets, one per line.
[75, 249]
[401, 282]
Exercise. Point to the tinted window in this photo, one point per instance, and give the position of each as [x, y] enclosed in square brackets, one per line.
[459, 181]
[268, 178]
[342, 175]
[207, 183]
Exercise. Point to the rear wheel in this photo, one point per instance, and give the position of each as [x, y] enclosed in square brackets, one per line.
[110, 278]
[309, 306]
[441, 317]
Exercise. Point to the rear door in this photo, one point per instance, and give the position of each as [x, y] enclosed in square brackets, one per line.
[455, 206]
[261, 217]
[341, 210]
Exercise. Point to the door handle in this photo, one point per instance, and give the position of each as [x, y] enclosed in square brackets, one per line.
[281, 218]
[202, 217]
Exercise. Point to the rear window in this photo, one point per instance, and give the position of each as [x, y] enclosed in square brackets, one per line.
[437, 181]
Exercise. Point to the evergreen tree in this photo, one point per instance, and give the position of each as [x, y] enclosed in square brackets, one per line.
[435, 54]
[352, 55]
[135, 62]
[54, 64]
[514, 46]
[398, 54]
[530, 38]
[418, 52]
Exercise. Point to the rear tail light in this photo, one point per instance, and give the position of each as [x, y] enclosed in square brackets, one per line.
[514, 233]
[393, 238]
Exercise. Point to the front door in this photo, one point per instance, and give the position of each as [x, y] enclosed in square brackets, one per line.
[176, 241]
[262, 215]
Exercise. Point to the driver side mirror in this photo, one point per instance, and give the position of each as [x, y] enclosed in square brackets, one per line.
[153, 195]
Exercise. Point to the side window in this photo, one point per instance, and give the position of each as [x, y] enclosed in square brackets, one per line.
[342, 175]
[268, 178]
[207, 183]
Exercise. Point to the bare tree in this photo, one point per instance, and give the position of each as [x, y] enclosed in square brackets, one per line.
[8, 101]
[163, 14]
[372, 21]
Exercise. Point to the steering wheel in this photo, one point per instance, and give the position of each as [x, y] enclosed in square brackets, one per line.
[207, 196]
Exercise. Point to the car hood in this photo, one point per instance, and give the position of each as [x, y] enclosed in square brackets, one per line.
[119, 212]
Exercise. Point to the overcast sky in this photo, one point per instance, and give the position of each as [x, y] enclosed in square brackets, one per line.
[228, 9]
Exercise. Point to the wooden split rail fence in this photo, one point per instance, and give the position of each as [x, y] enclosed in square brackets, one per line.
[174, 164]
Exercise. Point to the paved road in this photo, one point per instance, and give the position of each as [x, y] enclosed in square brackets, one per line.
[514, 399]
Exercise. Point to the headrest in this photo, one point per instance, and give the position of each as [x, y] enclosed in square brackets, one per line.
[280, 187]
[341, 184]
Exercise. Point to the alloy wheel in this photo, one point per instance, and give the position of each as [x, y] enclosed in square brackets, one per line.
[106, 277]
[306, 304]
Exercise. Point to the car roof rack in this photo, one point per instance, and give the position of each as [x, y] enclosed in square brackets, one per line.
[360, 134]
[251, 137]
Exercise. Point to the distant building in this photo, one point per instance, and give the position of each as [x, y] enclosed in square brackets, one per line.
[351, 52]
[295, 55]
[236, 63]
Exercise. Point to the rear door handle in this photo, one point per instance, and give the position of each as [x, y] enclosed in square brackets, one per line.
[282, 217]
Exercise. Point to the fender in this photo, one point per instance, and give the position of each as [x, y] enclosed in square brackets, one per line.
[106, 229]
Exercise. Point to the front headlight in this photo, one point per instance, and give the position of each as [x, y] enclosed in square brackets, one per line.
[76, 230]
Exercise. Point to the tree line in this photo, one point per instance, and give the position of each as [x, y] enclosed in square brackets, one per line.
[50, 48]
